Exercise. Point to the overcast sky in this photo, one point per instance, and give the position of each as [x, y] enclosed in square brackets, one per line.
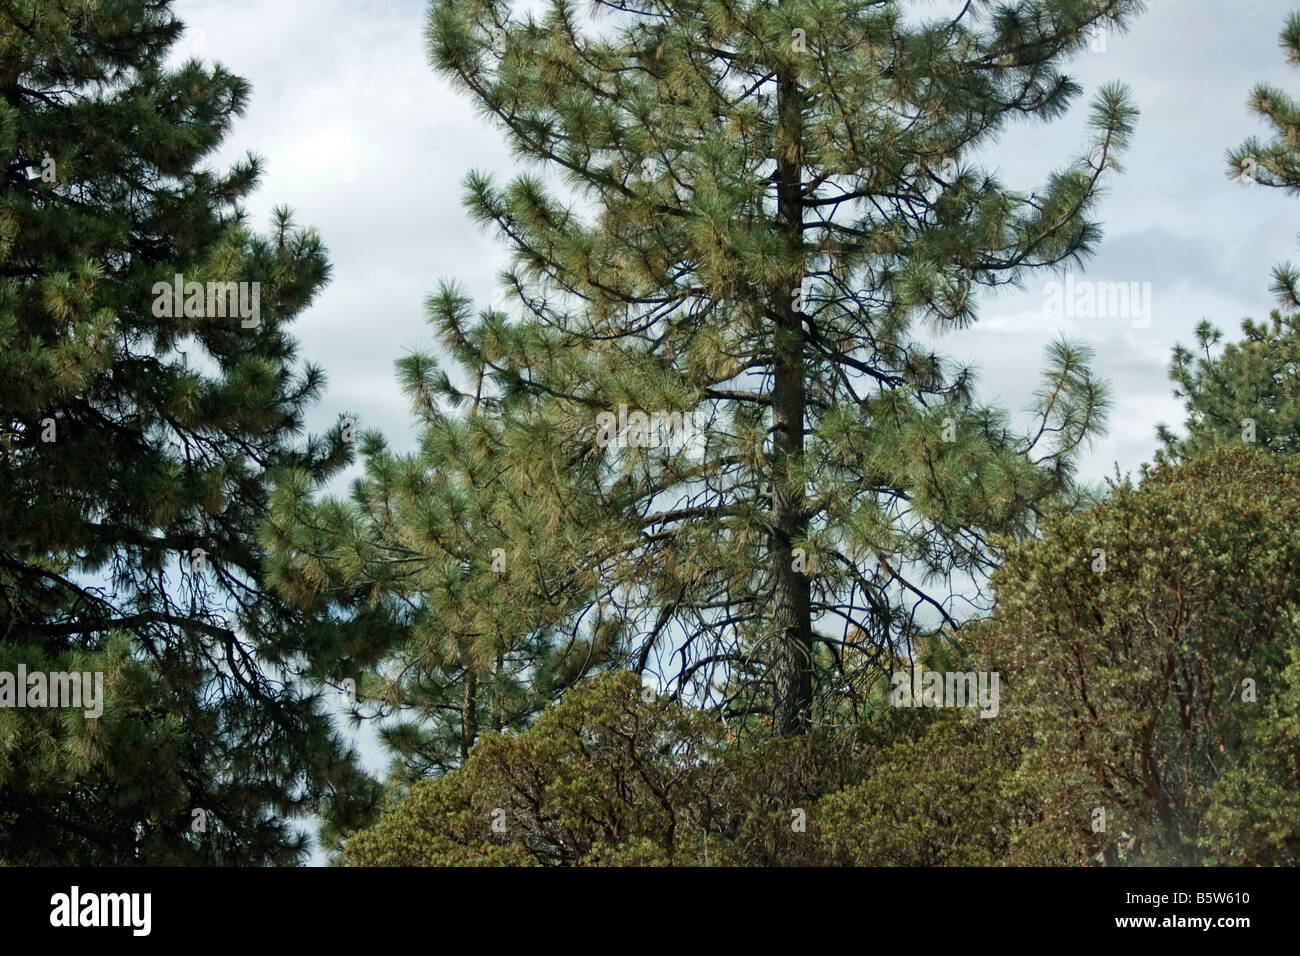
[365, 142]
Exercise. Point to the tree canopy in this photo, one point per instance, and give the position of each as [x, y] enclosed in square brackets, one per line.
[139, 440]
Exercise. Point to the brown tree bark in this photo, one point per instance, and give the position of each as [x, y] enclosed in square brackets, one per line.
[792, 664]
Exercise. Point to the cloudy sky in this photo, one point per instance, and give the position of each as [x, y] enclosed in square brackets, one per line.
[365, 142]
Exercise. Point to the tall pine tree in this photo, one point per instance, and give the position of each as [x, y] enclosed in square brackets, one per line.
[723, 454]
[140, 434]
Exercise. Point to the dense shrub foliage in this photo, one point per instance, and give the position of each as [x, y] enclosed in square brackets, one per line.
[1147, 715]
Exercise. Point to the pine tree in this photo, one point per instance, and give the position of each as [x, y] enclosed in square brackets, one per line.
[1244, 392]
[447, 567]
[1275, 163]
[1247, 392]
[746, 475]
[141, 431]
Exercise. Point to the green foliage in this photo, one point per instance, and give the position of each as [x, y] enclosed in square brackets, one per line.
[129, 441]
[606, 777]
[937, 797]
[1244, 393]
[615, 775]
[463, 587]
[1121, 689]
[1253, 816]
[1128, 681]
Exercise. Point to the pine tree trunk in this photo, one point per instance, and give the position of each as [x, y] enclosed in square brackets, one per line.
[468, 718]
[792, 667]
